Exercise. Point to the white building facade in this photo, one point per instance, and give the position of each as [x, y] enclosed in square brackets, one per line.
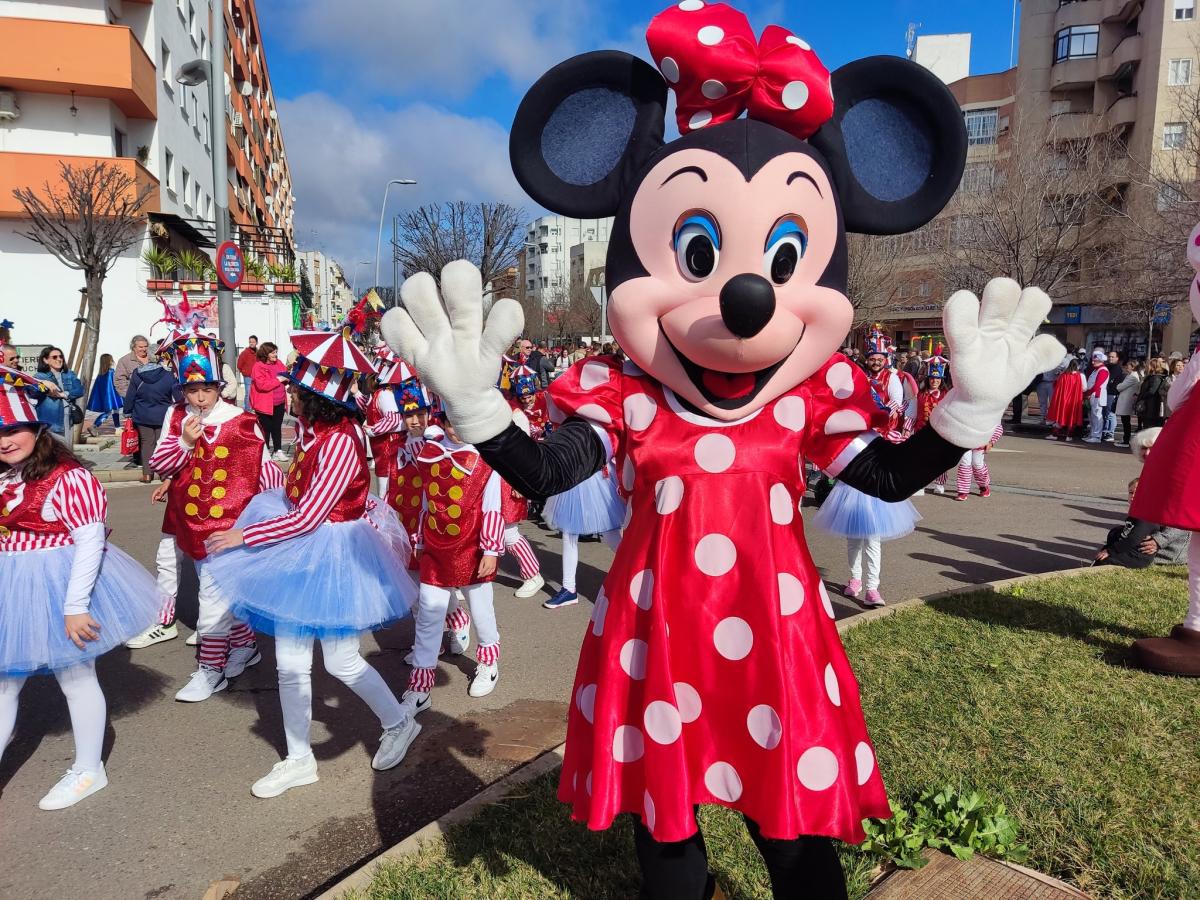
[332, 297]
[548, 243]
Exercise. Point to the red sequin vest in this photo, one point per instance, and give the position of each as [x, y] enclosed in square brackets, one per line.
[353, 502]
[385, 446]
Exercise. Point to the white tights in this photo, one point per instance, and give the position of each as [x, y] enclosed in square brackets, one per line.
[343, 661]
[870, 550]
[431, 619]
[570, 554]
[85, 702]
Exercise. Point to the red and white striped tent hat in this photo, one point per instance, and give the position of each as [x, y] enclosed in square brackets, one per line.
[15, 408]
[328, 363]
[390, 368]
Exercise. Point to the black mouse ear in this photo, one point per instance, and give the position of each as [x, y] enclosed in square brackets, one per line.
[896, 144]
[585, 129]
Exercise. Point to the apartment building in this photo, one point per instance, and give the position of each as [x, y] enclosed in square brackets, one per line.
[546, 261]
[332, 296]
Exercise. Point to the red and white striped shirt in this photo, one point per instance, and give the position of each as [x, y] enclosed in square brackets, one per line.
[338, 463]
[390, 420]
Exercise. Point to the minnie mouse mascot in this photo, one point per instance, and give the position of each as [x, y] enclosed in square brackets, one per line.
[712, 671]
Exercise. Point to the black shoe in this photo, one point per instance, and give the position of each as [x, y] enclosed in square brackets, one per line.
[133, 465]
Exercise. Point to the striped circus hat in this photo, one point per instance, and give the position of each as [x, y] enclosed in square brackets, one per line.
[390, 368]
[328, 364]
[15, 408]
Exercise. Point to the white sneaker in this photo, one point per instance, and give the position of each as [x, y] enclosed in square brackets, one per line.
[240, 659]
[416, 701]
[394, 744]
[203, 684]
[193, 639]
[460, 640]
[530, 587]
[484, 681]
[280, 456]
[286, 774]
[939, 489]
[155, 634]
[73, 787]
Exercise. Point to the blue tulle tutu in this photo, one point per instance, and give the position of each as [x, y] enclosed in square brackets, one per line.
[125, 602]
[591, 507]
[344, 578]
[850, 513]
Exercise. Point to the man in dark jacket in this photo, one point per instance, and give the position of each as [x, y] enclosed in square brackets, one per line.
[541, 365]
[153, 389]
[1116, 374]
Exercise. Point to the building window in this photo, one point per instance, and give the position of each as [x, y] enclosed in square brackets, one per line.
[1185, 10]
[187, 187]
[183, 101]
[1179, 72]
[198, 195]
[977, 177]
[1079, 42]
[119, 143]
[169, 170]
[1170, 196]
[204, 133]
[165, 65]
[1174, 135]
[924, 290]
[191, 21]
[981, 125]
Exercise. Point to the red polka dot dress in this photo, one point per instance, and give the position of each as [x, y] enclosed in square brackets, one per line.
[712, 670]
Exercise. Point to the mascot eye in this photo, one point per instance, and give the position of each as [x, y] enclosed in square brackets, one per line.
[697, 246]
[785, 249]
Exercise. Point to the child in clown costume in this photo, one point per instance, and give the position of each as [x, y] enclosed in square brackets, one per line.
[67, 596]
[933, 391]
[711, 671]
[213, 459]
[321, 559]
[530, 415]
[384, 424]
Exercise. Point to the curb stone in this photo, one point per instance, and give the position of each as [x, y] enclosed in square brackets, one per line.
[552, 758]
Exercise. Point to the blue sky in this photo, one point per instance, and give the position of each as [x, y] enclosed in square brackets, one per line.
[426, 89]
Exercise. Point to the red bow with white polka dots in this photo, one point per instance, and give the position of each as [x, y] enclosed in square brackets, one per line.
[708, 53]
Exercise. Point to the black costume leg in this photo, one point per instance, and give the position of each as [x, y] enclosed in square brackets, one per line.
[672, 871]
[806, 868]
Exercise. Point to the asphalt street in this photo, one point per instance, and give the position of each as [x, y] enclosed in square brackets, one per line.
[178, 814]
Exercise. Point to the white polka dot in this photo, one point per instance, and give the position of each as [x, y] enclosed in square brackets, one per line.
[699, 120]
[799, 42]
[594, 413]
[864, 761]
[789, 412]
[845, 420]
[723, 782]
[840, 378]
[691, 5]
[639, 411]
[641, 588]
[818, 768]
[663, 722]
[714, 453]
[765, 727]
[670, 69]
[648, 803]
[599, 612]
[668, 495]
[585, 699]
[791, 594]
[628, 744]
[825, 601]
[628, 474]
[832, 688]
[733, 638]
[781, 505]
[687, 700]
[593, 375]
[588, 784]
[633, 658]
[710, 35]
[715, 554]
[795, 95]
[713, 89]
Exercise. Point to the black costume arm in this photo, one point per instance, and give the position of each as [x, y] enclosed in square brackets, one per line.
[894, 472]
[572, 453]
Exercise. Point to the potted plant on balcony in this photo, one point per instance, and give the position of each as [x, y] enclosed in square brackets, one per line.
[162, 264]
[195, 265]
[256, 274]
[283, 276]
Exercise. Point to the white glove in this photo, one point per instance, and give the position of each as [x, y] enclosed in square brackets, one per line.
[455, 356]
[993, 355]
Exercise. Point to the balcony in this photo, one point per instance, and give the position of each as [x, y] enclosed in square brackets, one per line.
[1126, 54]
[1121, 11]
[1123, 112]
[48, 57]
[1072, 126]
[1073, 73]
[1082, 12]
[19, 170]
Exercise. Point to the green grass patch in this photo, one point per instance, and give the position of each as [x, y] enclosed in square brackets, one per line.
[1026, 697]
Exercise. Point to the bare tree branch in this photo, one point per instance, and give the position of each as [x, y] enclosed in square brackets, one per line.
[488, 234]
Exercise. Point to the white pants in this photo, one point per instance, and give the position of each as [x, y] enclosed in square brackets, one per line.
[381, 486]
[1096, 419]
[872, 551]
[431, 619]
[214, 622]
[344, 662]
[570, 555]
[85, 702]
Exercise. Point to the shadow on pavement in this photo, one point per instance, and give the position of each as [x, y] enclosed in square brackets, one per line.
[992, 559]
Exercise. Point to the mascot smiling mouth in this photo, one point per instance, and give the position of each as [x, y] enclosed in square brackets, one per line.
[727, 390]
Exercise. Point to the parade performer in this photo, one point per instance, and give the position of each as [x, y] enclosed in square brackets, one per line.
[933, 391]
[385, 423]
[103, 398]
[593, 506]
[1169, 495]
[407, 490]
[213, 459]
[712, 670]
[321, 559]
[1066, 403]
[533, 404]
[460, 542]
[974, 463]
[531, 416]
[67, 596]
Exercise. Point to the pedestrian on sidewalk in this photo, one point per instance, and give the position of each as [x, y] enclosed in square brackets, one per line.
[1150, 405]
[64, 388]
[1127, 392]
[320, 560]
[1066, 405]
[67, 596]
[245, 366]
[1096, 393]
[268, 394]
[1045, 387]
[104, 399]
[138, 355]
[152, 391]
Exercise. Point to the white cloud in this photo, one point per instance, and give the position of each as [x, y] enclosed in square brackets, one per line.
[341, 159]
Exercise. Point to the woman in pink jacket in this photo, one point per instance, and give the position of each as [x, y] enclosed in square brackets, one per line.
[267, 394]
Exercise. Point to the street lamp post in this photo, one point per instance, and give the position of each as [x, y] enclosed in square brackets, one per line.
[379, 231]
[354, 280]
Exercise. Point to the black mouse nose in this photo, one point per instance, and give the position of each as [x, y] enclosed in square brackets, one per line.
[747, 304]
